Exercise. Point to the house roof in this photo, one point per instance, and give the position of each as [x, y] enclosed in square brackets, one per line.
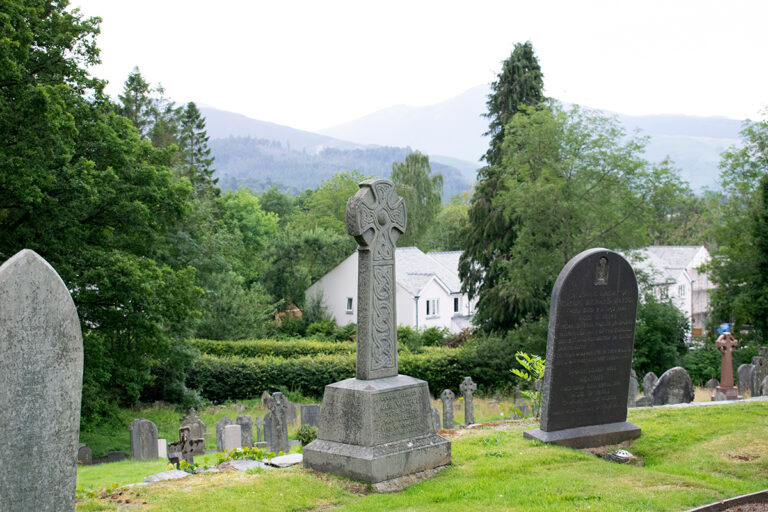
[414, 269]
[677, 256]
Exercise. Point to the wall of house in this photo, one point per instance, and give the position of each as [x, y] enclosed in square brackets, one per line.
[336, 287]
[405, 307]
[435, 291]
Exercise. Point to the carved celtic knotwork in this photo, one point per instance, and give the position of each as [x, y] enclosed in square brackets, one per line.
[376, 217]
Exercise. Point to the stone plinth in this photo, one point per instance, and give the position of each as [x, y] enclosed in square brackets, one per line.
[377, 430]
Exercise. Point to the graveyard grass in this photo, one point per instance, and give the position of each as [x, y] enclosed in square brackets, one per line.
[690, 457]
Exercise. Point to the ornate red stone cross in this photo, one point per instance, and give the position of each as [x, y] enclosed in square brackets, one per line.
[726, 343]
[376, 217]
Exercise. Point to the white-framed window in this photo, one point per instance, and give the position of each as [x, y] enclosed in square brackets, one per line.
[681, 290]
[456, 304]
[433, 307]
[349, 305]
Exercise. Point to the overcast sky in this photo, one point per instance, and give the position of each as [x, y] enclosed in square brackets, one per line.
[317, 63]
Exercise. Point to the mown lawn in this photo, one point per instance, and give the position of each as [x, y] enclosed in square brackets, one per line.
[687, 457]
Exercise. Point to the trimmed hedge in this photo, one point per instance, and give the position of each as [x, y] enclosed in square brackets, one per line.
[280, 348]
[234, 378]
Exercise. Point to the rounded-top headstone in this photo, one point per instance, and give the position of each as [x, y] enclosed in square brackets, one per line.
[590, 342]
[673, 387]
[41, 377]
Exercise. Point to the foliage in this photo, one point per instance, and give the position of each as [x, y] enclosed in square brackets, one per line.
[520, 84]
[444, 233]
[434, 336]
[568, 181]
[306, 434]
[280, 348]
[274, 201]
[702, 363]
[660, 335]
[422, 192]
[533, 371]
[409, 338]
[196, 161]
[738, 266]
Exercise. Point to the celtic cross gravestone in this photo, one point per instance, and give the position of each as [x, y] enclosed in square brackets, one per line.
[468, 389]
[377, 426]
[447, 397]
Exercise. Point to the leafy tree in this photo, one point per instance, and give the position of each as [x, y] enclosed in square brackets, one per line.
[282, 205]
[326, 207]
[196, 160]
[422, 192]
[520, 84]
[570, 180]
[137, 102]
[660, 335]
[444, 233]
[738, 264]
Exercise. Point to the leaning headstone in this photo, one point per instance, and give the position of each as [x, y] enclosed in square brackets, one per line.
[436, 418]
[648, 382]
[310, 415]
[377, 426]
[259, 423]
[186, 447]
[223, 422]
[246, 430]
[589, 353]
[673, 387]
[447, 397]
[276, 429]
[41, 378]
[712, 384]
[231, 437]
[744, 377]
[143, 440]
[84, 455]
[632, 394]
[265, 396]
[759, 369]
[468, 389]
[195, 424]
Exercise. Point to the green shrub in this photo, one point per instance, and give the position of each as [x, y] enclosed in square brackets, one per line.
[306, 434]
[702, 363]
[281, 348]
[409, 338]
[433, 336]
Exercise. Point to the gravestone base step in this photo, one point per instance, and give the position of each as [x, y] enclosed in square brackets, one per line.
[587, 437]
[374, 464]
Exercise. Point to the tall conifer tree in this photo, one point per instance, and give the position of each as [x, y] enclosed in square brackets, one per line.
[196, 160]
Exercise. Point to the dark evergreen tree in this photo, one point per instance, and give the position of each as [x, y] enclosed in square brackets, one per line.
[196, 160]
[137, 102]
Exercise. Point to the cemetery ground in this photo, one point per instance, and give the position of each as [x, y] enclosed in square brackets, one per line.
[686, 457]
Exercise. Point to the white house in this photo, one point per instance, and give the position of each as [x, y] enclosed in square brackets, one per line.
[428, 290]
[673, 272]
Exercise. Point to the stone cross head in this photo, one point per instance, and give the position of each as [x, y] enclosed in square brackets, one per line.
[467, 386]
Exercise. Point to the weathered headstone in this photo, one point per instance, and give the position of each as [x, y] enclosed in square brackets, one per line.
[643, 401]
[41, 377]
[744, 376]
[764, 386]
[589, 353]
[186, 447]
[143, 439]
[436, 418]
[726, 343]
[377, 426]
[246, 430]
[291, 412]
[712, 384]
[719, 396]
[84, 455]
[259, 423]
[276, 425]
[673, 387]
[196, 425]
[162, 449]
[468, 388]
[223, 422]
[310, 415]
[447, 398]
[632, 394]
[759, 369]
[648, 382]
[231, 437]
[265, 396]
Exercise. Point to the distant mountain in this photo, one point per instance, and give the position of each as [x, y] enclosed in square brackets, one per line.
[454, 128]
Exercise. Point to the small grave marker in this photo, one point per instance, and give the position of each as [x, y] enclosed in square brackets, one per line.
[447, 396]
[468, 389]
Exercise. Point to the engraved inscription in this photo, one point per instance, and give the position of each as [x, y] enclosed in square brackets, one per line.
[398, 414]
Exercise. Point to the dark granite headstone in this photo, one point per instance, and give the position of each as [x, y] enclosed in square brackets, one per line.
[589, 353]
[673, 387]
[310, 415]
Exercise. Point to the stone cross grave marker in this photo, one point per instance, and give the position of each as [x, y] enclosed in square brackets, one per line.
[744, 376]
[468, 389]
[197, 428]
[379, 425]
[246, 430]
[223, 422]
[726, 343]
[41, 380]
[186, 447]
[447, 397]
[759, 369]
[143, 440]
[277, 424]
[589, 353]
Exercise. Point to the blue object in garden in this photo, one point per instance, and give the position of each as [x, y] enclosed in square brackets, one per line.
[726, 327]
